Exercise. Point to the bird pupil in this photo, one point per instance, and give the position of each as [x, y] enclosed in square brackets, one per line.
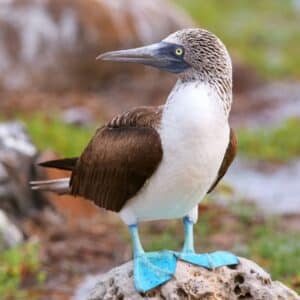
[179, 51]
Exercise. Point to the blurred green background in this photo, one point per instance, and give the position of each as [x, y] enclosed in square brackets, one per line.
[264, 34]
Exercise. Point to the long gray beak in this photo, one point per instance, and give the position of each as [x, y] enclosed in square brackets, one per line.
[160, 55]
[147, 54]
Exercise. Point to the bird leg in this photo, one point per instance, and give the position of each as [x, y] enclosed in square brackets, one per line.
[208, 260]
[136, 242]
[150, 269]
[188, 245]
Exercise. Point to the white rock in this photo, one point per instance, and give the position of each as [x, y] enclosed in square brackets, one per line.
[246, 281]
[17, 167]
[9, 232]
[14, 137]
[79, 116]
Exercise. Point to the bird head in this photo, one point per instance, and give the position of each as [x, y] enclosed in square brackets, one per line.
[193, 54]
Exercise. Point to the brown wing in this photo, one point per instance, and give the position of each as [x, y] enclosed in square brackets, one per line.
[228, 158]
[119, 159]
[143, 116]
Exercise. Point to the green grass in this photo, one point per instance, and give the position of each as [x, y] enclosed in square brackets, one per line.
[15, 265]
[274, 249]
[50, 133]
[278, 252]
[278, 145]
[265, 34]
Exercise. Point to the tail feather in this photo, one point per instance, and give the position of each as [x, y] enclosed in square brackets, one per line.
[62, 164]
[59, 186]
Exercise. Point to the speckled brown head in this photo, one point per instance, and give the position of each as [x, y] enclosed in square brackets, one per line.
[194, 54]
[208, 58]
[204, 52]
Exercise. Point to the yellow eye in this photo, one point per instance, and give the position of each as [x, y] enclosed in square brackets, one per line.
[178, 51]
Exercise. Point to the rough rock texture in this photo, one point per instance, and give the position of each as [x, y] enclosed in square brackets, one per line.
[17, 168]
[10, 234]
[246, 281]
[52, 44]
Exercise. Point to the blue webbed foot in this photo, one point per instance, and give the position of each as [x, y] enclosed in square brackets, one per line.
[209, 260]
[153, 269]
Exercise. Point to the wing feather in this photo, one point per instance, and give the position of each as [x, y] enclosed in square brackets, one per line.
[119, 159]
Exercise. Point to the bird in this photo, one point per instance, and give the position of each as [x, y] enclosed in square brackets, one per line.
[159, 162]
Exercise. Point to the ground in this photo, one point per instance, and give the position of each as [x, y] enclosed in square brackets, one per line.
[91, 242]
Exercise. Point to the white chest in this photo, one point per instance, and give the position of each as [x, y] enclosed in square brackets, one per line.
[194, 134]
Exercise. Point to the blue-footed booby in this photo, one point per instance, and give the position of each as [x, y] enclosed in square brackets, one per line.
[153, 163]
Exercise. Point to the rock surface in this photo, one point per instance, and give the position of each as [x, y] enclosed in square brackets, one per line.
[17, 168]
[246, 281]
[10, 234]
[52, 44]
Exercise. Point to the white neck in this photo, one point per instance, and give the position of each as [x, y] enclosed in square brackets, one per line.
[196, 104]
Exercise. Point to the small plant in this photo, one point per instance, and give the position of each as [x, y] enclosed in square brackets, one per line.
[278, 252]
[16, 266]
[280, 144]
[47, 132]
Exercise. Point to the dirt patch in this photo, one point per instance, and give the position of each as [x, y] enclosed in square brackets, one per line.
[70, 250]
[103, 103]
